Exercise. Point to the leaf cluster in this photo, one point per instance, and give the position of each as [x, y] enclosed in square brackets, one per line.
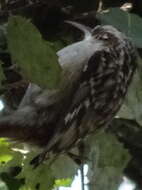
[36, 60]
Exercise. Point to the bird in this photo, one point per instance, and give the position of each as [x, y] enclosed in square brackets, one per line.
[96, 73]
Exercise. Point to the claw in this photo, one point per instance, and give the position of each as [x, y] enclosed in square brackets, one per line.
[39, 159]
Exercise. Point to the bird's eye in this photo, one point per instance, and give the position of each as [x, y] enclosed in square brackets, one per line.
[105, 37]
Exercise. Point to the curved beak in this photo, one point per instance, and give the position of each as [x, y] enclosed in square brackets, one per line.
[85, 29]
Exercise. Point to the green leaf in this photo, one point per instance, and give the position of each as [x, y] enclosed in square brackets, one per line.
[34, 55]
[5, 151]
[108, 158]
[4, 142]
[46, 175]
[132, 107]
[106, 145]
[42, 175]
[128, 23]
[3, 185]
[64, 167]
[9, 157]
[11, 182]
[54, 172]
[63, 182]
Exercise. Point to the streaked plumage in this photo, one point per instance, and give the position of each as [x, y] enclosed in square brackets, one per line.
[97, 72]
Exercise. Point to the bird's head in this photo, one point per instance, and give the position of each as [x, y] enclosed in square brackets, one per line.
[73, 57]
[105, 34]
